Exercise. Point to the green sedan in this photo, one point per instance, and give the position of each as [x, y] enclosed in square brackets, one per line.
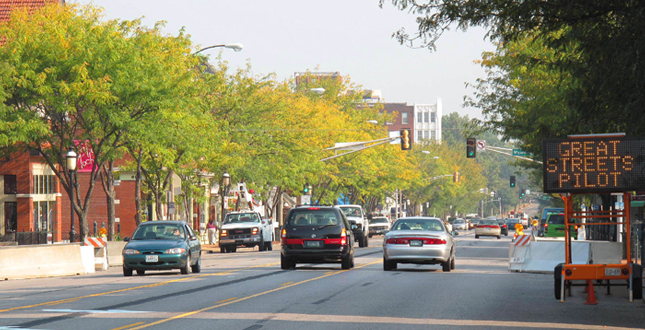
[162, 245]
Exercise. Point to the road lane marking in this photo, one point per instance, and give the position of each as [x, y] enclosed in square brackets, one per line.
[56, 302]
[218, 305]
[292, 282]
[92, 311]
[127, 326]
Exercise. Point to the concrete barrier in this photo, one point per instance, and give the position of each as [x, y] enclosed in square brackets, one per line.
[27, 261]
[543, 255]
[114, 249]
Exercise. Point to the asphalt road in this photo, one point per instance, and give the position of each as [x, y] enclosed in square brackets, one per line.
[248, 290]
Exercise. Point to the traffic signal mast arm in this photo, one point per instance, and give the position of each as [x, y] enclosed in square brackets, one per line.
[503, 153]
[360, 145]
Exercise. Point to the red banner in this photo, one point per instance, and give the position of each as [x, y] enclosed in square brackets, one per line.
[85, 156]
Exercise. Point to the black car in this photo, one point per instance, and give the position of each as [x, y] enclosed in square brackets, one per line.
[504, 226]
[317, 234]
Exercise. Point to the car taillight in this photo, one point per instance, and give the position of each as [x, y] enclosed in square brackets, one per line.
[406, 240]
[488, 226]
[343, 237]
[314, 208]
[284, 236]
[254, 231]
[546, 225]
[223, 233]
[503, 226]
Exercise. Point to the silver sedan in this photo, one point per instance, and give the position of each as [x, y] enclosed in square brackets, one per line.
[418, 240]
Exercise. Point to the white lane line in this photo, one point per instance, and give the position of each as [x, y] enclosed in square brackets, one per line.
[92, 311]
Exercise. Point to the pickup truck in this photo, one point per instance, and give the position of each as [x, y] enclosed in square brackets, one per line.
[245, 228]
[355, 215]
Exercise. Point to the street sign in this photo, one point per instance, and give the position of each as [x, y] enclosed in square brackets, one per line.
[481, 145]
[520, 152]
[594, 164]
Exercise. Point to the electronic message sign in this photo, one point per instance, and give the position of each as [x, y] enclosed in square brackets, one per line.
[594, 164]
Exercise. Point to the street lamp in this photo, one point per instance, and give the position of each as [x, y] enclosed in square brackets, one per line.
[226, 181]
[318, 90]
[234, 46]
[71, 167]
[374, 122]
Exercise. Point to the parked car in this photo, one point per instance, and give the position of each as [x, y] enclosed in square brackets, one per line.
[162, 245]
[355, 215]
[504, 226]
[488, 227]
[419, 240]
[245, 228]
[378, 226]
[545, 213]
[460, 224]
[554, 226]
[320, 234]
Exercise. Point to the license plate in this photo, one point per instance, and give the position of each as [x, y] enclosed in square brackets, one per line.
[416, 243]
[313, 244]
[152, 258]
[489, 228]
[612, 271]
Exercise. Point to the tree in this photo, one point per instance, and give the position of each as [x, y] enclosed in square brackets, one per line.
[69, 77]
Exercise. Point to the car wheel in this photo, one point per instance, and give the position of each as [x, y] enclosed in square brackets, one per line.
[476, 236]
[446, 265]
[499, 236]
[557, 278]
[233, 249]
[361, 242]
[269, 246]
[346, 262]
[388, 265]
[222, 249]
[262, 246]
[184, 270]
[285, 263]
[352, 260]
[452, 263]
[141, 272]
[370, 235]
[127, 271]
[367, 243]
[198, 266]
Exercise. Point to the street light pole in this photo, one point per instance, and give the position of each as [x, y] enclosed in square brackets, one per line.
[226, 181]
[234, 46]
[71, 167]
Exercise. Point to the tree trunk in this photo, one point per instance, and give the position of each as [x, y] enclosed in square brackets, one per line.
[107, 181]
[137, 189]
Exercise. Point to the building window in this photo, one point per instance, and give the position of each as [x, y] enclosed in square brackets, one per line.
[404, 118]
[433, 135]
[433, 117]
[419, 136]
[419, 118]
[43, 216]
[425, 135]
[10, 186]
[44, 184]
[425, 117]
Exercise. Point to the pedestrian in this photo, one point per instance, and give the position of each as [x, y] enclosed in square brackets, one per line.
[212, 231]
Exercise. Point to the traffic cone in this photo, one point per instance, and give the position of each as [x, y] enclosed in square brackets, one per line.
[591, 296]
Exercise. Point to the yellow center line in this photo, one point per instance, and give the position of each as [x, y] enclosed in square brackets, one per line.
[127, 326]
[236, 300]
[129, 289]
[290, 282]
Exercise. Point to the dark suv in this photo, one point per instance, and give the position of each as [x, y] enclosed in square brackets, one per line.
[317, 234]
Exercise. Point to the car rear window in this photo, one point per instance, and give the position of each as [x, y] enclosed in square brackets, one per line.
[351, 211]
[487, 223]
[556, 219]
[159, 231]
[418, 224]
[379, 220]
[459, 221]
[312, 217]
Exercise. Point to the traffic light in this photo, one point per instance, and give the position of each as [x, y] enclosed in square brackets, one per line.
[406, 144]
[522, 193]
[512, 181]
[305, 189]
[455, 177]
[471, 148]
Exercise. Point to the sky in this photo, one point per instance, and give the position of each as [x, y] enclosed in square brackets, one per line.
[353, 37]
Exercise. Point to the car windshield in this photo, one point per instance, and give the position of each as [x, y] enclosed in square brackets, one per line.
[501, 222]
[312, 217]
[151, 231]
[241, 217]
[459, 221]
[351, 211]
[418, 224]
[379, 220]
